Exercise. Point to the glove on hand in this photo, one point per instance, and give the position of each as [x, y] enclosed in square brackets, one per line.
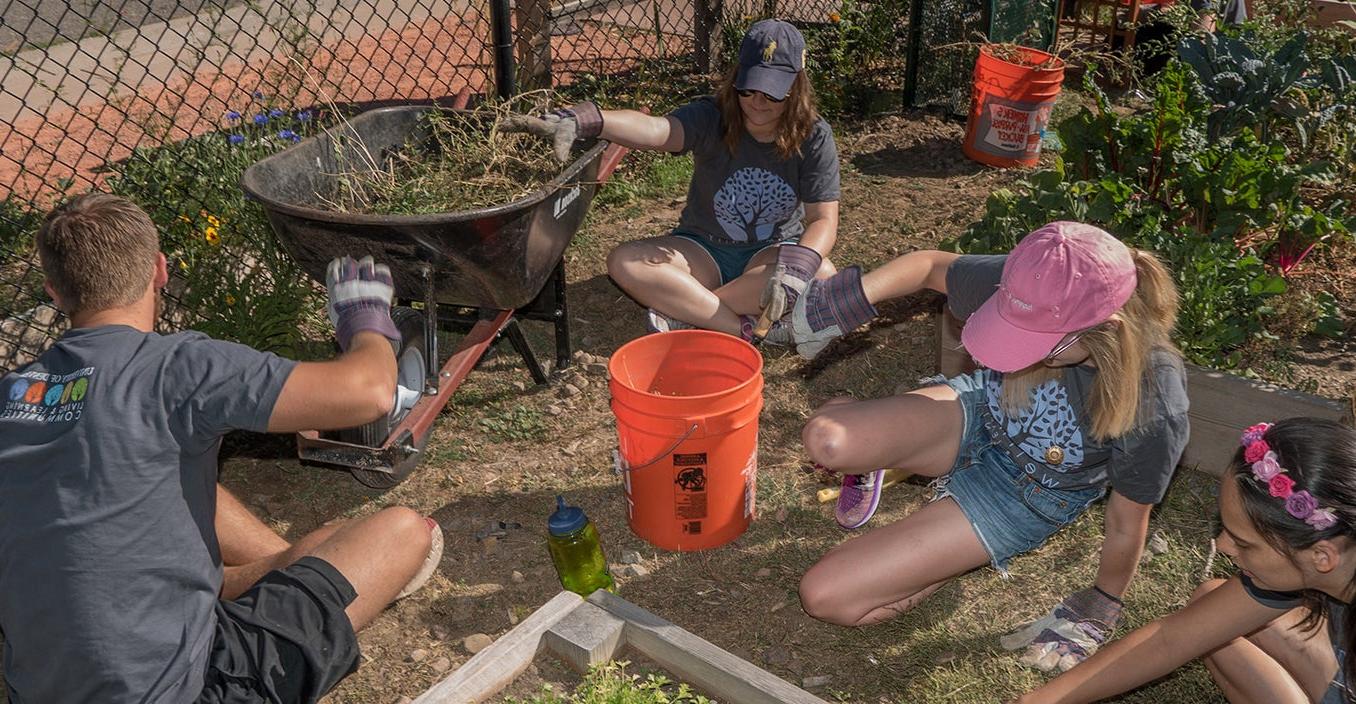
[562, 127]
[1069, 634]
[360, 298]
[795, 268]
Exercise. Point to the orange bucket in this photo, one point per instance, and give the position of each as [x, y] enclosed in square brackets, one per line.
[1010, 106]
[687, 405]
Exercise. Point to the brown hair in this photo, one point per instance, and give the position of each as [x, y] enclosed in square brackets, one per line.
[796, 123]
[1120, 349]
[98, 252]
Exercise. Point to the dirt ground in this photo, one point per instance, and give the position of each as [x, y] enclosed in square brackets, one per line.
[505, 448]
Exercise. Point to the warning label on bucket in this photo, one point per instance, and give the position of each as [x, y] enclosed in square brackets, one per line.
[1011, 129]
[689, 477]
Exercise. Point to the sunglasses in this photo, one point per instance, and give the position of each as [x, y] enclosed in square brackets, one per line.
[751, 93]
[1066, 343]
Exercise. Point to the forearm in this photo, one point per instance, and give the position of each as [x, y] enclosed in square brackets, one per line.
[350, 390]
[1140, 657]
[820, 235]
[634, 129]
[908, 274]
[1127, 525]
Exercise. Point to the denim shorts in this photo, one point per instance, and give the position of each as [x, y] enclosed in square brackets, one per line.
[731, 259]
[1010, 511]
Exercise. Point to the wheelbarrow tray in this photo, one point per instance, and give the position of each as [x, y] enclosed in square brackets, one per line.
[497, 257]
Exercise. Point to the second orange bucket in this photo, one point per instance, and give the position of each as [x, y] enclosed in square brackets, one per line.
[1010, 105]
[687, 405]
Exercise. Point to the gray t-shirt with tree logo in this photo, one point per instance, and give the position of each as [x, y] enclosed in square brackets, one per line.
[1051, 438]
[109, 563]
[753, 194]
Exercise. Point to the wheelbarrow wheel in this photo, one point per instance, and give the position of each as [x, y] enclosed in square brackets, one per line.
[411, 373]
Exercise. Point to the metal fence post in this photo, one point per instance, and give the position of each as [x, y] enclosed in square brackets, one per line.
[502, 29]
[915, 49]
[706, 33]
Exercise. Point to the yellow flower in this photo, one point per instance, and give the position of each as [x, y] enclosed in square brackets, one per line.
[210, 234]
[834, 17]
[213, 221]
[230, 300]
[185, 218]
[183, 265]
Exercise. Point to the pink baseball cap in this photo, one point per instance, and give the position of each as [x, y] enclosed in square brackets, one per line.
[1062, 278]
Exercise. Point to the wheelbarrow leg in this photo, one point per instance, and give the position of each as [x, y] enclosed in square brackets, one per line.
[514, 333]
[562, 316]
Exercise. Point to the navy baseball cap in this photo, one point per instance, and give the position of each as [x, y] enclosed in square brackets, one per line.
[771, 55]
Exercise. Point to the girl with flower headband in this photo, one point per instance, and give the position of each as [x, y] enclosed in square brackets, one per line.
[1287, 507]
[1081, 392]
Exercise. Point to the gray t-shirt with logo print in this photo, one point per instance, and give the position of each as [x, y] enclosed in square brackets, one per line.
[109, 563]
[753, 194]
[1051, 438]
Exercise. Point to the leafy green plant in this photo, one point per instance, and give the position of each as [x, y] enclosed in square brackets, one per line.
[517, 423]
[610, 683]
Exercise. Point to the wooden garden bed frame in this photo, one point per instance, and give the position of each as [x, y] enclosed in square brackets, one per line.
[583, 632]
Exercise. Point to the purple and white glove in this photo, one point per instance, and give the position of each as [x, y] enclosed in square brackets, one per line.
[795, 269]
[360, 299]
[1069, 634]
[562, 126]
[828, 309]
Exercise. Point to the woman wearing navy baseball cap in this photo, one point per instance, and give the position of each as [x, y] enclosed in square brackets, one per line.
[762, 207]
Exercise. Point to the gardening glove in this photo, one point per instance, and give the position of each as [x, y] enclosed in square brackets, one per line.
[563, 126]
[360, 299]
[1069, 634]
[828, 309]
[795, 269]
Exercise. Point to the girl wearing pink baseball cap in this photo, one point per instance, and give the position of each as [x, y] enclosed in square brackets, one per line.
[1080, 390]
[762, 206]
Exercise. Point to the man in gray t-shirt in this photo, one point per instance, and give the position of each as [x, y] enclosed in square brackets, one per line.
[111, 533]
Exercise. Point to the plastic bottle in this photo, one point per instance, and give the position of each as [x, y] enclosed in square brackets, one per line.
[576, 552]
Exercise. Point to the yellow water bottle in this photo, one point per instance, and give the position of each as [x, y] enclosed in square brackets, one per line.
[576, 552]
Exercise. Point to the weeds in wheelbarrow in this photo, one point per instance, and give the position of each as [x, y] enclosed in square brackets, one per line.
[463, 162]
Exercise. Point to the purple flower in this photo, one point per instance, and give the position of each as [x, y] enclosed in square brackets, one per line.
[261, 119]
[1300, 504]
[232, 115]
[1322, 519]
[289, 134]
[258, 95]
[275, 113]
[1254, 433]
[304, 116]
[1267, 467]
[236, 139]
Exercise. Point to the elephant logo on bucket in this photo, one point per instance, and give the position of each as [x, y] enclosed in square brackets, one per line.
[691, 479]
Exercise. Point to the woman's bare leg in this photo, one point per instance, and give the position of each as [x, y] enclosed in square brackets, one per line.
[919, 432]
[676, 277]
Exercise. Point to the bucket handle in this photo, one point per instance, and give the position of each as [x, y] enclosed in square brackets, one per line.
[622, 466]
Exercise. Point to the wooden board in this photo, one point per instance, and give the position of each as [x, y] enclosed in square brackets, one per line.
[586, 636]
[699, 662]
[495, 667]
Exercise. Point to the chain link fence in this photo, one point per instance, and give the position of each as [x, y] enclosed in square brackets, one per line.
[167, 101]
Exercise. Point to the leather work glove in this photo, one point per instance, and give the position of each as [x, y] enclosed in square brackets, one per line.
[563, 126]
[360, 299]
[1069, 634]
[795, 268]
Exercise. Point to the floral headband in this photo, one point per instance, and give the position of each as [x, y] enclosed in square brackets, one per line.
[1267, 470]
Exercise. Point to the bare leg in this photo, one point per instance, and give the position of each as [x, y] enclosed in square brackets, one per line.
[675, 276]
[378, 555]
[918, 431]
[237, 579]
[1278, 664]
[890, 570]
[243, 537]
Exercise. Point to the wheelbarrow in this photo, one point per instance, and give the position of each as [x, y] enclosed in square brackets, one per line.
[485, 268]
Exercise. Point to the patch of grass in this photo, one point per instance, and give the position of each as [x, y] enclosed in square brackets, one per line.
[645, 176]
[610, 683]
[517, 423]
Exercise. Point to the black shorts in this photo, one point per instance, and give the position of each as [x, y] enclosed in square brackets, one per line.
[287, 639]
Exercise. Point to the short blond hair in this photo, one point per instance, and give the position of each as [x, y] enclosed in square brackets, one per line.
[98, 251]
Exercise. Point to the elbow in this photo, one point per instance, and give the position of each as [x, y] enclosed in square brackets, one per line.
[374, 397]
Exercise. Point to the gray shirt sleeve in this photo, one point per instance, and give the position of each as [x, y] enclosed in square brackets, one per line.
[1143, 462]
[819, 181]
[214, 387]
[701, 125]
[970, 280]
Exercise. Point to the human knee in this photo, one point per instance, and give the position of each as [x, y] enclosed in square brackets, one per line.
[821, 600]
[1206, 587]
[826, 269]
[628, 262]
[409, 525]
[825, 440]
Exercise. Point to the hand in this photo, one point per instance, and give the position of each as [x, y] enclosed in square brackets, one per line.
[360, 299]
[1069, 634]
[795, 269]
[562, 127]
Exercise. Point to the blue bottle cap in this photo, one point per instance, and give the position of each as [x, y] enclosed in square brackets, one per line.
[566, 519]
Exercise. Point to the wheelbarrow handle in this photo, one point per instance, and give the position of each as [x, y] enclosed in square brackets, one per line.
[608, 162]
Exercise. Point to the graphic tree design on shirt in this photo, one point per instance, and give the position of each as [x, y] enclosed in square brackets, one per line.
[1050, 421]
[753, 203]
